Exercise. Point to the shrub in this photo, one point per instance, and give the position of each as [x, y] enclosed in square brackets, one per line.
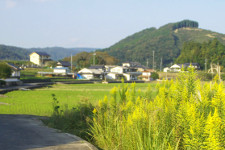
[2, 83]
[5, 71]
[75, 120]
[154, 75]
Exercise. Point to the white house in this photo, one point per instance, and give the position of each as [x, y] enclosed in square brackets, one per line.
[146, 75]
[132, 75]
[167, 69]
[90, 73]
[120, 69]
[15, 70]
[61, 70]
[175, 68]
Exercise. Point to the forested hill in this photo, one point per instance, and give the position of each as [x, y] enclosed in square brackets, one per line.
[209, 52]
[13, 53]
[166, 41]
[56, 53]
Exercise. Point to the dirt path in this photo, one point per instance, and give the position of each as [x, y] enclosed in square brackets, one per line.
[20, 132]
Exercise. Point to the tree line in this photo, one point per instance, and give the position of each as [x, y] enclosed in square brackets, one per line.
[212, 51]
[184, 24]
[85, 59]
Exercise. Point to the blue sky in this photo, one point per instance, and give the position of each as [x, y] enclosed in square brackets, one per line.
[97, 23]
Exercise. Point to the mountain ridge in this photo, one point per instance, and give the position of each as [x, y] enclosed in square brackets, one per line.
[17, 53]
[166, 42]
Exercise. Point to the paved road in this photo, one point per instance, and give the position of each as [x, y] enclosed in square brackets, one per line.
[20, 132]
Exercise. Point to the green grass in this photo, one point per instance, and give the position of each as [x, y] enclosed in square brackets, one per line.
[39, 101]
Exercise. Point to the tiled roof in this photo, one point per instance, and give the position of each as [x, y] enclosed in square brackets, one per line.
[42, 53]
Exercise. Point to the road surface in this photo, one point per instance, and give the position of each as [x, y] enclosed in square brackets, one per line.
[22, 132]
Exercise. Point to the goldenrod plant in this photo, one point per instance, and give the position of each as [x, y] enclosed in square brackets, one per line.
[185, 114]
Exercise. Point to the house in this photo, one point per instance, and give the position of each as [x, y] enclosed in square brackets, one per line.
[119, 72]
[134, 65]
[114, 76]
[176, 68]
[195, 65]
[87, 73]
[146, 75]
[61, 70]
[63, 64]
[119, 69]
[15, 70]
[109, 67]
[39, 58]
[132, 75]
[98, 67]
[167, 69]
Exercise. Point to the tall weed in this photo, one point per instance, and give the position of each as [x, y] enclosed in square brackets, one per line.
[185, 114]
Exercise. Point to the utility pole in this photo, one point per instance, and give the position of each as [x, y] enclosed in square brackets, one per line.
[147, 63]
[94, 58]
[205, 65]
[161, 65]
[71, 61]
[153, 62]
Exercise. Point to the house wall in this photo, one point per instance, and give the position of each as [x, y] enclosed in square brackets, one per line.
[35, 58]
[61, 71]
[111, 76]
[88, 76]
[119, 70]
[16, 74]
[126, 64]
[146, 74]
[127, 77]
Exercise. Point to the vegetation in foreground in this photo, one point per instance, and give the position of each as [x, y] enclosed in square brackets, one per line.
[184, 115]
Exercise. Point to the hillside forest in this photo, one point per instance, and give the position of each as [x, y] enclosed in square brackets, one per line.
[211, 52]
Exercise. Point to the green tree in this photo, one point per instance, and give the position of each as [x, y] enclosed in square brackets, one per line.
[154, 75]
[5, 71]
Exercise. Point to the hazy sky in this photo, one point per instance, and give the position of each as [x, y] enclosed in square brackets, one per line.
[97, 23]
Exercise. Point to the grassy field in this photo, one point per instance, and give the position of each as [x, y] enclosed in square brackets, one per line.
[39, 101]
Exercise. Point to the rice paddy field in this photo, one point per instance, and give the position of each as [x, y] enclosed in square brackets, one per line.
[39, 101]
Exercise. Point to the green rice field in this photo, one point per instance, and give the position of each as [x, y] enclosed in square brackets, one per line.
[39, 101]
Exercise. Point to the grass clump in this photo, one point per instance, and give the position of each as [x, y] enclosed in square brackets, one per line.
[75, 120]
[185, 114]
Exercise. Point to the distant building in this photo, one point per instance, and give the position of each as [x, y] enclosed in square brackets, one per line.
[39, 58]
[178, 67]
[146, 74]
[87, 73]
[98, 67]
[63, 64]
[61, 70]
[15, 70]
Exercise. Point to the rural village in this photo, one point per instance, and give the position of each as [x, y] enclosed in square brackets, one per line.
[108, 75]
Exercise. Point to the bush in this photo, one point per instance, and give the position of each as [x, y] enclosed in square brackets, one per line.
[2, 83]
[75, 120]
[205, 76]
[154, 75]
[5, 71]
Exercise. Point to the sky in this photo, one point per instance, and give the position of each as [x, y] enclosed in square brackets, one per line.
[97, 23]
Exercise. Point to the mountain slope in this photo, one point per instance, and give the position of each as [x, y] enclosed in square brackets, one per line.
[166, 41]
[56, 53]
[13, 53]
